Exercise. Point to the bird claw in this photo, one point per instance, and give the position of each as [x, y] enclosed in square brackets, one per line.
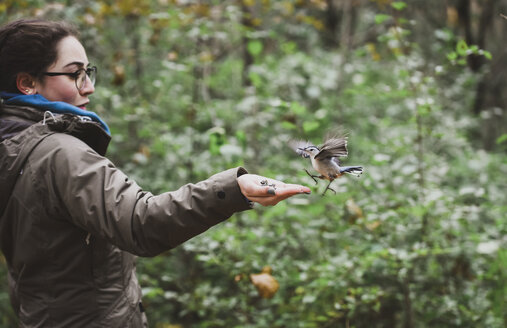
[329, 188]
[320, 177]
[311, 176]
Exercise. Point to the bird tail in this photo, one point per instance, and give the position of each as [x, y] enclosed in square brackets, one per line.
[354, 170]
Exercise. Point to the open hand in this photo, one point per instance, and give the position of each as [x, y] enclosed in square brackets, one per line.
[268, 192]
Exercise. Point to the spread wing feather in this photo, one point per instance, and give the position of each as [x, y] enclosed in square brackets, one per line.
[333, 147]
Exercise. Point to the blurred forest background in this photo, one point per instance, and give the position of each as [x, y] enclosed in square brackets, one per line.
[193, 87]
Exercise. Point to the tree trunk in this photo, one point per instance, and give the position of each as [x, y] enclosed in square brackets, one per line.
[407, 300]
[347, 22]
[332, 24]
[248, 59]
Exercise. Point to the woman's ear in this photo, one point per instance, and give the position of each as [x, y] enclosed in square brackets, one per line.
[25, 83]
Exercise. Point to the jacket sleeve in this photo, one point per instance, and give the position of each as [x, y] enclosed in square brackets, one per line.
[102, 200]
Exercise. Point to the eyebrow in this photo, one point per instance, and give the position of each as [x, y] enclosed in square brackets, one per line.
[78, 63]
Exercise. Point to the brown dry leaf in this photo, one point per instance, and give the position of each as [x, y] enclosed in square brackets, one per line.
[352, 210]
[266, 284]
[452, 16]
[119, 75]
[372, 225]
[172, 56]
[145, 150]
[167, 325]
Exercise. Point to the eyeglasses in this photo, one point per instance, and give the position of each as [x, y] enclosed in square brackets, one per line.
[79, 76]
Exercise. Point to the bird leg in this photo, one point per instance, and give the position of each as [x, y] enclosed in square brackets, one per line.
[329, 188]
[312, 176]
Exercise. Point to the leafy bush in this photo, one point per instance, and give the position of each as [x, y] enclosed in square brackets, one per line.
[417, 241]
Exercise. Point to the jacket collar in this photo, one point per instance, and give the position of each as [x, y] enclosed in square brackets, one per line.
[15, 119]
[40, 103]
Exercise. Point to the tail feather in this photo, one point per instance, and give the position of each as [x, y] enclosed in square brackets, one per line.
[354, 170]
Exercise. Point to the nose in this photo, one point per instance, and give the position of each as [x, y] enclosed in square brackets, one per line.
[88, 87]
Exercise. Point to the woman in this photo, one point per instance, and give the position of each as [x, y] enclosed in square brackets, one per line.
[71, 224]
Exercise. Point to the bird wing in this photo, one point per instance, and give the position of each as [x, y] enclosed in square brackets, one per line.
[333, 147]
[297, 144]
[336, 160]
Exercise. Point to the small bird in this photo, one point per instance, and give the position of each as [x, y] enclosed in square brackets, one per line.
[325, 159]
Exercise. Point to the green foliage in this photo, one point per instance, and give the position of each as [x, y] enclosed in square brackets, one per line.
[417, 241]
[255, 47]
[399, 5]
[463, 51]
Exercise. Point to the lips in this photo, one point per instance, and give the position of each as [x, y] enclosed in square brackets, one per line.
[83, 106]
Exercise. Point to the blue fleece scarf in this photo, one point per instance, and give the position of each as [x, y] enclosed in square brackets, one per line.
[39, 102]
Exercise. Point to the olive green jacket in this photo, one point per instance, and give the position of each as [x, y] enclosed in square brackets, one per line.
[72, 224]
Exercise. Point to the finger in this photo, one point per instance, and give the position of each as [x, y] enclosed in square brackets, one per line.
[266, 201]
[270, 200]
[261, 193]
[273, 190]
[292, 189]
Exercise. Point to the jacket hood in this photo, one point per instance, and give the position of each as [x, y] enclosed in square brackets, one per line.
[9, 129]
[14, 153]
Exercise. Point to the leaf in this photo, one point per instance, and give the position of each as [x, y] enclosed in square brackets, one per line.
[462, 48]
[380, 18]
[241, 137]
[501, 139]
[462, 62]
[452, 56]
[352, 210]
[216, 140]
[289, 47]
[255, 78]
[152, 292]
[119, 75]
[310, 126]
[255, 47]
[288, 125]
[423, 110]
[487, 54]
[297, 108]
[266, 285]
[372, 225]
[399, 5]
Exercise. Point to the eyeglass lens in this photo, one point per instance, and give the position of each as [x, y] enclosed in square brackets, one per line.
[81, 79]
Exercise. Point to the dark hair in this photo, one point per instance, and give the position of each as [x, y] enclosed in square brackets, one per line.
[29, 46]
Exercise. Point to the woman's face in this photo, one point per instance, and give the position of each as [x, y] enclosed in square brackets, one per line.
[71, 57]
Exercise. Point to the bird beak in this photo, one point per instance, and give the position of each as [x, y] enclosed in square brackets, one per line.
[302, 152]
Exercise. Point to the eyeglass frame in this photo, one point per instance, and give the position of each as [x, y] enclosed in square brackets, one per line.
[75, 75]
